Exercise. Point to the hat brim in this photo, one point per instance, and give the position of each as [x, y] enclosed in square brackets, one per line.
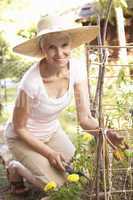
[79, 36]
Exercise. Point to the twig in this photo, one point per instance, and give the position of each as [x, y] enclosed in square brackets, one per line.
[104, 167]
[99, 152]
[107, 19]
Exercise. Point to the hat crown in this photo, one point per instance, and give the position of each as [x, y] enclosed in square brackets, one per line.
[53, 23]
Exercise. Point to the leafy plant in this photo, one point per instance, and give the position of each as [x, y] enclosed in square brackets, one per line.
[85, 154]
[69, 191]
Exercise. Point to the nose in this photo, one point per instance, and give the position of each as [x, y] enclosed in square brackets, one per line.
[59, 52]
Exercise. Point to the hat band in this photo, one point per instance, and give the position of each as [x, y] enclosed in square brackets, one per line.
[57, 29]
[50, 30]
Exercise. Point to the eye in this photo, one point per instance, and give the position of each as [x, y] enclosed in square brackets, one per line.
[51, 47]
[65, 44]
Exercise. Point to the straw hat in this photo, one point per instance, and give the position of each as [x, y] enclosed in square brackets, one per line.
[56, 24]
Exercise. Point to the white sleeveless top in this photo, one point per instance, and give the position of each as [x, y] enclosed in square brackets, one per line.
[43, 120]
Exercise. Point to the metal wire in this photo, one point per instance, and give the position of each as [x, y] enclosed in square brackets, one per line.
[96, 77]
[115, 65]
[108, 47]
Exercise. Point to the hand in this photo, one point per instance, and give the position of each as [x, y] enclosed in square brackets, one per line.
[116, 140]
[56, 159]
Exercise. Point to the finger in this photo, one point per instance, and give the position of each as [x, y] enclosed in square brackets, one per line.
[59, 163]
[117, 135]
[53, 163]
[121, 138]
[126, 145]
[65, 162]
[62, 157]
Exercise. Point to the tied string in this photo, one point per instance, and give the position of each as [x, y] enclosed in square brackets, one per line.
[104, 133]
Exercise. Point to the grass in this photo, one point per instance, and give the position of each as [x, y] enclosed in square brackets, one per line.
[7, 103]
[10, 93]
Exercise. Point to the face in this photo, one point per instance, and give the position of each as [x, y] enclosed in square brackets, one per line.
[57, 48]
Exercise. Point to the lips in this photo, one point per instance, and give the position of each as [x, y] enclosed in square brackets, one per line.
[60, 59]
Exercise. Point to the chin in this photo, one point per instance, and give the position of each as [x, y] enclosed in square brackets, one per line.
[62, 63]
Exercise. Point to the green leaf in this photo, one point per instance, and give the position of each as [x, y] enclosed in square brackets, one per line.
[128, 153]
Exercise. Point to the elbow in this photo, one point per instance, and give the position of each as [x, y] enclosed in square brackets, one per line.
[87, 123]
[83, 122]
[18, 129]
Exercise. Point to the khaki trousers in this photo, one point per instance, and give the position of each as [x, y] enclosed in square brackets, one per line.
[38, 164]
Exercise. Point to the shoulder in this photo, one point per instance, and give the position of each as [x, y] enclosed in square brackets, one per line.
[29, 82]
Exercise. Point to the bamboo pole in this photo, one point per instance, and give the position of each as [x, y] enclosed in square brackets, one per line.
[88, 73]
[100, 92]
[99, 152]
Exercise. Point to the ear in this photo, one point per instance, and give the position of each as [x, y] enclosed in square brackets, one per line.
[42, 53]
[43, 50]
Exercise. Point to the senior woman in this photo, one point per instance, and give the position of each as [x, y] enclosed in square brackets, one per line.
[35, 136]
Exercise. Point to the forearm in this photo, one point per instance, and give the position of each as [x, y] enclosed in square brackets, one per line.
[90, 125]
[33, 142]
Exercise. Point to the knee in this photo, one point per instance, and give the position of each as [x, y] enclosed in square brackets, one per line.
[13, 165]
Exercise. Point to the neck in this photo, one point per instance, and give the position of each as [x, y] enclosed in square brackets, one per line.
[47, 69]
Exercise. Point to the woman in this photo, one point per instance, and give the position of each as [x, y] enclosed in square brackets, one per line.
[35, 136]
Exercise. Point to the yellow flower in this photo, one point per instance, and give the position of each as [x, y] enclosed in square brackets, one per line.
[87, 137]
[50, 186]
[73, 178]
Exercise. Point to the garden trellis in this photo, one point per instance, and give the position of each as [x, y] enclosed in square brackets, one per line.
[127, 132]
[97, 108]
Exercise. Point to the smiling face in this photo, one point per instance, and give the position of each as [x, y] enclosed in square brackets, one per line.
[57, 48]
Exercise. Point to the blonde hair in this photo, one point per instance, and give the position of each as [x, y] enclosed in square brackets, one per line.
[45, 37]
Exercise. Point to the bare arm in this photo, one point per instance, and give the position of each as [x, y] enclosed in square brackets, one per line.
[84, 115]
[20, 116]
[86, 121]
